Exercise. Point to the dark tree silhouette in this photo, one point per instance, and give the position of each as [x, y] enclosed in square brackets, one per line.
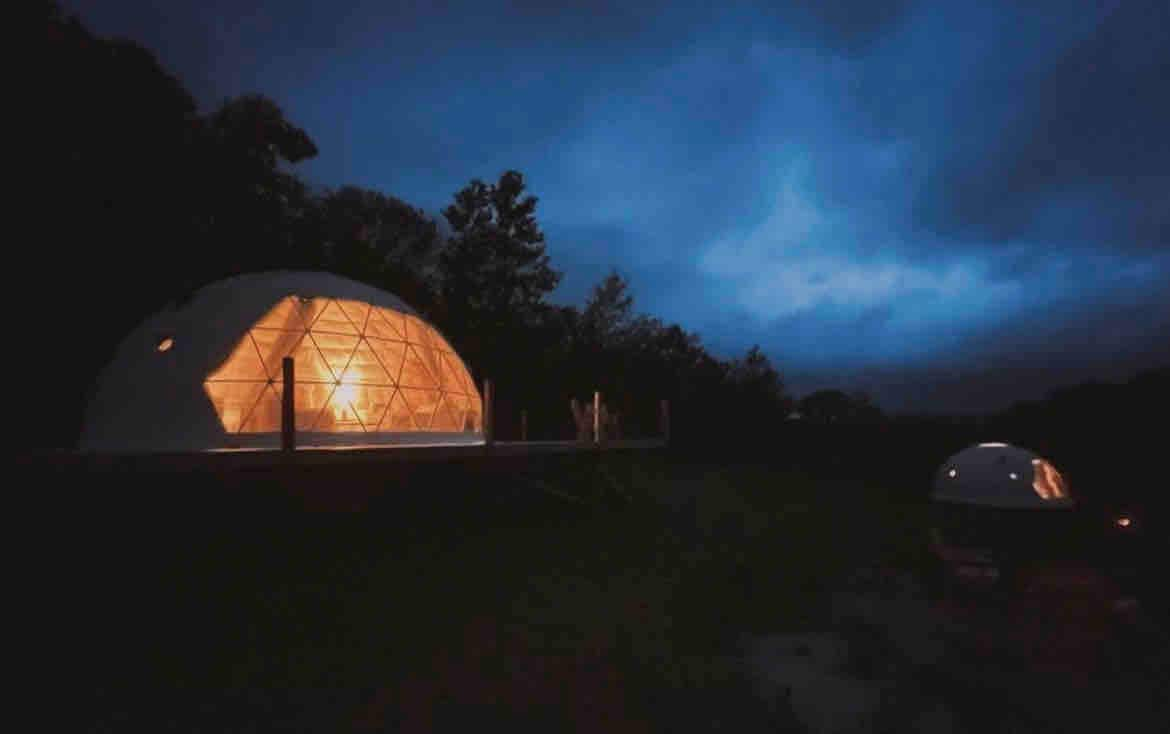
[495, 262]
[494, 274]
[607, 313]
[149, 200]
[120, 142]
[836, 406]
[257, 210]
[168, 200]
[369, 236]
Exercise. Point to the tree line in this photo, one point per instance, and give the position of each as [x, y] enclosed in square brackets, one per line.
[149, 199]
[144, 199]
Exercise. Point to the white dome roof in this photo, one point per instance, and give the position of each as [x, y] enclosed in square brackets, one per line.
[205, 374]
[999, 475]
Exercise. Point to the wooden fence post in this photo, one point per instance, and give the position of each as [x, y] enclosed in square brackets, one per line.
[288, 414]
[664, 420]
[597, 417]
[488, 414]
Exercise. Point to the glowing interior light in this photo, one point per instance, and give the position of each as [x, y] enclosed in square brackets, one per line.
[165, 344]
[341, 404]
[345, 393]
[1013, 475]
[1124, 522]
[952, 473]
[359, 368]
[992, 445]
[1047, 482]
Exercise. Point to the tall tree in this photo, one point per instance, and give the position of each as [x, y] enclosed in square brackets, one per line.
[755, 374]
[494, 272]
[379, 239]
[159, 200]
[608, 310]
[257, 209]
[118, 141]
[495, 261]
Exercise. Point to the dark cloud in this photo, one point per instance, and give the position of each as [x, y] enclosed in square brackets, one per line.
[1087, 134]
[949, 204]
[837, 24]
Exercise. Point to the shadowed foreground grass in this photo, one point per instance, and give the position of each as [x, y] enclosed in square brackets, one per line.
[615, 615]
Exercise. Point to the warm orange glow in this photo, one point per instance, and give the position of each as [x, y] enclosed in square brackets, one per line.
[344, 394]
[341, 403]
[1047, 482]
[359, 368]
[1124, 522]
[165, 344]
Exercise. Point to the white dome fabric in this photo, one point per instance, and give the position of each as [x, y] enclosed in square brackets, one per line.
[999, 475]
[207, 375]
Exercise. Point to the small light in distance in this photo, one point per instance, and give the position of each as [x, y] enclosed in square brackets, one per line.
[1124, 521]
[952, 473]
[165, 344]
[1013, 475]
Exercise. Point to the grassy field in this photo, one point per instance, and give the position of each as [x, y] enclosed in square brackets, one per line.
[617, 613]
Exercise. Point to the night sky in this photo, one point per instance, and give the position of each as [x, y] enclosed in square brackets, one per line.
[951, 205]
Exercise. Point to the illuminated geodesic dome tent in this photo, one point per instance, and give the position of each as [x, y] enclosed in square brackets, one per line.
[207, 374]
[999, 475]
[1004, 500]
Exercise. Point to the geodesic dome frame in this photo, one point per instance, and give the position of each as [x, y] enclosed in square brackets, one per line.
[207, 375]
[1003, 476]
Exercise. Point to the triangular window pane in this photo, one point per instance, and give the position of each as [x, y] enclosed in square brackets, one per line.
[395, 320]
[365, 368]
[398, 416]
[379, 328]
[421, 333]
[458, 406]
[334, 321]
[391, 355]
[284, 315]
[310, 401]
[336, 349]
[274, 346]
[416, 331]
[308, 364]
[431, 359]
[422, 404]
[370, 404]
[242, 364]
[445, 419]
[265, 417]
[452, 380]
[436, 342]
[340, 415]
[357, 312]
[415, 372]
[311, 309]
[233, 401]
[458, 373]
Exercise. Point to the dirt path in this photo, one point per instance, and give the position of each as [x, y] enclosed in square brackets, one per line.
[893, 660]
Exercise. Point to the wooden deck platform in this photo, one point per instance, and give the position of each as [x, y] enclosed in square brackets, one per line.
[342, 456]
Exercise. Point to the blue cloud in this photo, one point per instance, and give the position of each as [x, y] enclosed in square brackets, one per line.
[876, 192]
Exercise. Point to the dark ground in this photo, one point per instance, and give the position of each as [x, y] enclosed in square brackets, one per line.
[205, 603]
